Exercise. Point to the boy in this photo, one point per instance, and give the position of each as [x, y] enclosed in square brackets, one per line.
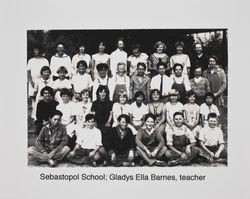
[139, 82]
[208, 107]
[212, 142]
[51, 143]
[88, 144]
[161, 82]
[180, 141]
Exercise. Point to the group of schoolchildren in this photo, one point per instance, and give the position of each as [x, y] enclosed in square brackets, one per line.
[126, 111]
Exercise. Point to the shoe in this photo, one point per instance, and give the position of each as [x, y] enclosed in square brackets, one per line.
[173, 163]
[160, 163]
[93, 164]
[221, 160]
[52, 163]
[104, 164]
[128, 164]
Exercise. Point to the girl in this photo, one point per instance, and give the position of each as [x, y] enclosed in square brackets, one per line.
[150, 143]
[180, 82]
[156, 107]
[100, 57]
[81, 80]
[180, 58]
[120, 82]
[192, 114]
[157, 57]
[83, 108]
[81, 55]
[102, 109]
[45, 80]
[138, 110]
[135, 58]
[60, 83]
[172, 106]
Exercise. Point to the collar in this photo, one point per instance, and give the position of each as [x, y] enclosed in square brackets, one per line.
[196, 80]
[64, 55]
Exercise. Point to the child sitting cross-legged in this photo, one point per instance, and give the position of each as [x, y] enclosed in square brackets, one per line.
[88, 148]
[212, 142]
[181, 142]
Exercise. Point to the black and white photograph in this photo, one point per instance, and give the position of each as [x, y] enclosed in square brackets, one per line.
[124, 99]
[127, 97]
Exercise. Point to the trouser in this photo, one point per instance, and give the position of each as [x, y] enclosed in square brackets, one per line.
[151, 160]
[213, 149]
[123, 157]
[172, 155]
[37, 154]
[82, 156]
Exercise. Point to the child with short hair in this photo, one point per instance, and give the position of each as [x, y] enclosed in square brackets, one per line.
[67, 107]
[45, 80]
[61, 82]
[212, 142]
[51, 144]
[81, 80]
[208, 107]
[120, 82]
[140, 82]
[180, 141]
[192, 113]
[82, 108]
[44, 108]
[172, 106]
[88, 148]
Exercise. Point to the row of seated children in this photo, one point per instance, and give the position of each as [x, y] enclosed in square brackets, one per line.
[121, 148]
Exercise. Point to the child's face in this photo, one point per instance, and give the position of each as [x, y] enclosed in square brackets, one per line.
[149, 123]
[120, 45]
[101, 48]
[212, 122]
[102, 73]
[159, 49]
[46, 74]
[81, 69]
[141, 70]
[55, 120]
[155, 96]
[139, 100]
[65, 98]
[197, 72]
[85, 96]
[212, 62]
[161, 70]
[173, 98]
[178, 120]
[179, 49]
[191, 98]
[46, 95]
[102, 95]
[90, 123]
[209, 100]
[123, 124]
[60, 49]
[61, 75]
[121, 69]
[122, 99]
[178, 71]
[81, 49]
[136, 52]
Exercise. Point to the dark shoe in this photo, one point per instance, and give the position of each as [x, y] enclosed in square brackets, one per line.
[160, 163]
[173, 163]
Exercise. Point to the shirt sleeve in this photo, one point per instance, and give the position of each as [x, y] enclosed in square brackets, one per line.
[201, 135]
[169, 137]
[188, 64]
[98, 138]
[223, 82]
[187, 83]
[190, 136]
[220, 136]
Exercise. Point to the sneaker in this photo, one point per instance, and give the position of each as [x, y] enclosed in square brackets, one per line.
[160, 163]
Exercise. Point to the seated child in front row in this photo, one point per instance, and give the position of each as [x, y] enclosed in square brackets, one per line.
[180, 141]
[212, 142]
[88, 148]
[51, 144]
